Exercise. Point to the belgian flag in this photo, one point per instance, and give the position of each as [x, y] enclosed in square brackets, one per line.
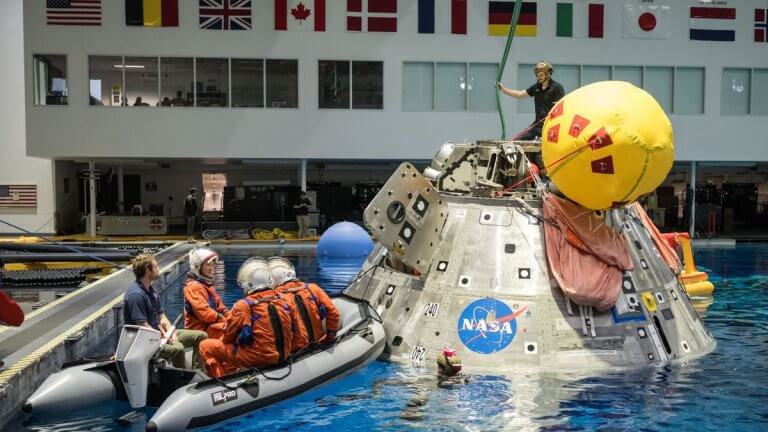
[152, 13]
[500, 16]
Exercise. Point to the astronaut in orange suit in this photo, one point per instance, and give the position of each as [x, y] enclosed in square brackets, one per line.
[319, 319]
[259, 330]
[203, 308]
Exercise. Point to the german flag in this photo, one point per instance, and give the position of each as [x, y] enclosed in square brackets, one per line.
[500, 16]
[152, 13]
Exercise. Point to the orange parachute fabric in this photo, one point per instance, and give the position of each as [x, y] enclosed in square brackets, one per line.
[586, 257]
[662, 241]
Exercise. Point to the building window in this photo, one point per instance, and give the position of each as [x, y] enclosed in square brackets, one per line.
[689, 90]
[658, 82]
[418, 86]
[356, 84]
[247, 83]
[734, 93]
[367, 85]
[176, 78]
[450, 87]
[212, 76]
[630, 74]
[744, 92]
[105, 81]
[333, 85]
[50, 79]
[759, 97]
[282, 84]
[142, 88]
[679, 90]
[481, 96]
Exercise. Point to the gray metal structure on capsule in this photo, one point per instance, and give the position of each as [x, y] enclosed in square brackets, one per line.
[462, 263]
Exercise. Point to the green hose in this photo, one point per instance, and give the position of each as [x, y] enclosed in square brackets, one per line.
[512, 26]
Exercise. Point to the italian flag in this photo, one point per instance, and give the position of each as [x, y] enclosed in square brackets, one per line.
[581, 20]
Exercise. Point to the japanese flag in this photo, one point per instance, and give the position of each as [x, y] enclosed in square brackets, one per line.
[646, 21]
[307, 15]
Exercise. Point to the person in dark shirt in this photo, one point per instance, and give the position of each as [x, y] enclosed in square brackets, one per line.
[142, 307]
[190, 212]
[302, 214]
[545, 92]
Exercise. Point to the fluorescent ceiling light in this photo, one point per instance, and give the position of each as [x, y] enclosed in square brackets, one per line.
[129, 66]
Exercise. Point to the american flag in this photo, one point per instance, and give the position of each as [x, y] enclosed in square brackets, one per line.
[73, 12]
[225, 14]
[18, 196]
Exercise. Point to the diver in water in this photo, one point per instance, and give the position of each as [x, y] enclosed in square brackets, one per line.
[448, 376]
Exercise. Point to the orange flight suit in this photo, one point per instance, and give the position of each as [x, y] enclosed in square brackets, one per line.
[271, 320]
[314, 308]
[203, 308]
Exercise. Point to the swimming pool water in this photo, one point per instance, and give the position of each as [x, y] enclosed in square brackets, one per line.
[726, 390]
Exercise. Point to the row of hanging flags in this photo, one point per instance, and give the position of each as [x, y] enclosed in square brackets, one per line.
[576, 19]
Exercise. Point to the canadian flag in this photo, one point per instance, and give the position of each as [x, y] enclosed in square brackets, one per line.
[307, 15]
[647, 21]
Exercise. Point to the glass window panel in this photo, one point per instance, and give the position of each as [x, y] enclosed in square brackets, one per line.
[592, 74]
[450, 87]
[418, 86]
[333, 85]
[734, 92]
[248, 83]
[525, 78]
[482, 94]
[630, 74]
[367, 85]
[759, 92]
[141, 87]
[658, 82]
[176, 76]
[689, 90]
[567, 75]
[50, 79]
[105, 78]
[282, 83]
[212, 82]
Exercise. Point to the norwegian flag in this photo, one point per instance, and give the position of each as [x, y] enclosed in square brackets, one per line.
[761, 25]
[18, 196]
[372, 15]
[225, 14]
[308, 15]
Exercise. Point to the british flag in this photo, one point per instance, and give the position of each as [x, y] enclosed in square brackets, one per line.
[225, 14]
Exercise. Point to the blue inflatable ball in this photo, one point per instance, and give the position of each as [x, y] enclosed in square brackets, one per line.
[344, 240]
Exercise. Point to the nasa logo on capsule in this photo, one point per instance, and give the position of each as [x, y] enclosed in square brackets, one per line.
[488, 325]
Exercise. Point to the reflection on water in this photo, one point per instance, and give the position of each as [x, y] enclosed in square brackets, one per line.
[725, 390]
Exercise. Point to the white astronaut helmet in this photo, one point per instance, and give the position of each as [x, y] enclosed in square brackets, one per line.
[254, 275]
[197, 258]
[281, 270]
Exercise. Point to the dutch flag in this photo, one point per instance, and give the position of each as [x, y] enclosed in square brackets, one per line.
[713, 24]
[443, 16]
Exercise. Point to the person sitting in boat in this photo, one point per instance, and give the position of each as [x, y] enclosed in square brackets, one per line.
[203, 308]
[142, 307]
[259, 330]
[319, 319]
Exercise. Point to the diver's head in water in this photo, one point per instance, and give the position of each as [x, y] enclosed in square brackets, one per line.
[448, 363]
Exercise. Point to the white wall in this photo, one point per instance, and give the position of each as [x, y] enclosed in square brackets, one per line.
[15, 166]
[79, 131]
